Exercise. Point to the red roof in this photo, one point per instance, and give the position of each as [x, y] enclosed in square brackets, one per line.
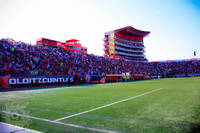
[47, 39]
[72, 40]
[132, 31]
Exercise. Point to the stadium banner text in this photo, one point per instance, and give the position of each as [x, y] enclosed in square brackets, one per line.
[9, 81]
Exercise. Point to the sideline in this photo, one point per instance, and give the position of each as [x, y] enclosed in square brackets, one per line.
[107, 105]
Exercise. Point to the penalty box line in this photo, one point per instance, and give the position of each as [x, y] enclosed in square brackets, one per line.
[107, 105]
[61, 123]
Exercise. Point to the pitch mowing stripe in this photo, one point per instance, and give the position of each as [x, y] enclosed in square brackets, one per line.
[107, 105]
[61, 123]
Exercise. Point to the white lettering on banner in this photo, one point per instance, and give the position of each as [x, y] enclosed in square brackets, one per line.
[65, 80]
[18, 82]
[60, 79]
[34, 79]
[71, 80]
[48, 80]
[54, 79]
[44, 80]
[12, 81]
[25, 81]
[38, 80]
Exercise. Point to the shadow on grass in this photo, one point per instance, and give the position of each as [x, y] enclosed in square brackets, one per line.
[195, 128]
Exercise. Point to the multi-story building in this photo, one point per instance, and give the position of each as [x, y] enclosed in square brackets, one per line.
[125, 43]
[70, 45]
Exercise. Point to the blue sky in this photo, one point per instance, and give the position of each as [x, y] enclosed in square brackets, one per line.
[174, 24]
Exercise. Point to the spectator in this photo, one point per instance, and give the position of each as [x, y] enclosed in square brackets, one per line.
[20, 58]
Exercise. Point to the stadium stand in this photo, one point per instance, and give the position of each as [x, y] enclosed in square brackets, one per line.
[18, 58]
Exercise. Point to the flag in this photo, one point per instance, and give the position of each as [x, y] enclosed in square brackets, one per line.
[194, 53]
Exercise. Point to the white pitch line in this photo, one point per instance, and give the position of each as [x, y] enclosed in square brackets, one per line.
[62, 123]
[104, 106]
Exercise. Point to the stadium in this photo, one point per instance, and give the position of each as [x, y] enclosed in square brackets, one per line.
[58, 87]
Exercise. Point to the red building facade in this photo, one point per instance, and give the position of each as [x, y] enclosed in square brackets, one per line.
[125, 43]
[70, 45]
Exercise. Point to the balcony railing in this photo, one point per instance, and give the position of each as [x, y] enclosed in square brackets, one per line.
[130, 46]
[127, 54]
[128, 40]
[137, 60]
[129, 50]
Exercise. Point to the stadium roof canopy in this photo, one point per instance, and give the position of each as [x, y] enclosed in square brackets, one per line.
[132, 31]
[72, 40]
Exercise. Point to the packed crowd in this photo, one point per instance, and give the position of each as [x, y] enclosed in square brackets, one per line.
[19, 58]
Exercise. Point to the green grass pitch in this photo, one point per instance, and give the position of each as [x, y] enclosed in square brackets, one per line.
[173, 109]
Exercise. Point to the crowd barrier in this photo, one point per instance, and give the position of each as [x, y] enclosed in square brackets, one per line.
[193, 75]
[9, 82]
[186, 75]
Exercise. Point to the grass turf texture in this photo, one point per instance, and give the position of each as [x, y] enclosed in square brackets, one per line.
[175, 108]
